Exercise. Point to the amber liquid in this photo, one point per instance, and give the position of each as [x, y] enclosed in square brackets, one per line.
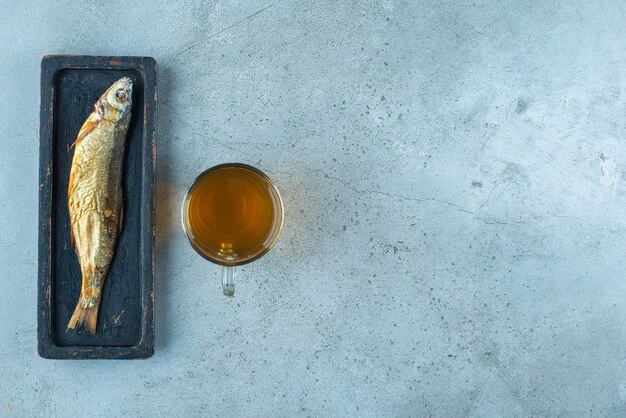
[233, 214]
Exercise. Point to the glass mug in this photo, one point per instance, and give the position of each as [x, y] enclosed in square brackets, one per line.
[232, 215]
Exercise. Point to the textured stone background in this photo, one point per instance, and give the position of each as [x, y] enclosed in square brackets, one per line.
[455, 181]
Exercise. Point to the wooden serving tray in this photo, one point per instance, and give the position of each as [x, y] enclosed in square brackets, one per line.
[70, 85]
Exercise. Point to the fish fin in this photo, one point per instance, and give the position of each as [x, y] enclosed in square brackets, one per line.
[91, 123]
[86, 316]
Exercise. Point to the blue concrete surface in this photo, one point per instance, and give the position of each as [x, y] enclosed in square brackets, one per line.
[454, 177]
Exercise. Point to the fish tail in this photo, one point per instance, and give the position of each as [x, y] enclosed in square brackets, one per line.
[86, 313]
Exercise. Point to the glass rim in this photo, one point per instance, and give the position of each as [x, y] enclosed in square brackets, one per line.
[186, 200]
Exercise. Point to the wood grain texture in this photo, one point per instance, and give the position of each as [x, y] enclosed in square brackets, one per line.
[70, 85]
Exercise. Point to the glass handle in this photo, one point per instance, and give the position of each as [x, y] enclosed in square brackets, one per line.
[228, 280]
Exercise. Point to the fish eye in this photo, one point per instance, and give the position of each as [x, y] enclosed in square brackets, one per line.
[120, 94]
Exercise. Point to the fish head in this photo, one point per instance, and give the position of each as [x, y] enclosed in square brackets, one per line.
[119, 95]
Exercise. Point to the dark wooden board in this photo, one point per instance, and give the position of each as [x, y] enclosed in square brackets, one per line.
[70, 85]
